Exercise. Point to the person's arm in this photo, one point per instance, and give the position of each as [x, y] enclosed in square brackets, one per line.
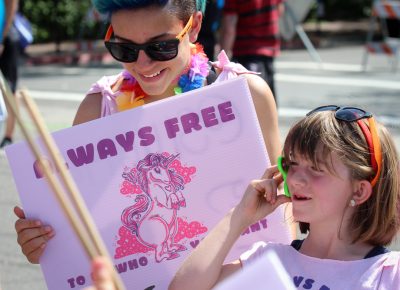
[228, 32]
[204, 268]
[267, 114]
[11, 9]
[89, 109]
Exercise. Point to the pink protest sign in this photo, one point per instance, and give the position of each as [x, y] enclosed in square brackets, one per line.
[156, 179]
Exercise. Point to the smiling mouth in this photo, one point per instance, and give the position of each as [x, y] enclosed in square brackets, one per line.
[152, 75]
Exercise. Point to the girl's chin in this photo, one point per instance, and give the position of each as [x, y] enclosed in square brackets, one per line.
[157, 90]
[300, 217]
[157, 87]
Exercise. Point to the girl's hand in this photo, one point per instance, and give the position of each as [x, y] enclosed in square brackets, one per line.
[32, 236]
[261, 198]
[102, 277]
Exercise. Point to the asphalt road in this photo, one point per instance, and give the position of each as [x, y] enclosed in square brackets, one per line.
[301, 86]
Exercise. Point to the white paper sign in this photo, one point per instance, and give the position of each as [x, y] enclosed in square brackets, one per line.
[267, 272]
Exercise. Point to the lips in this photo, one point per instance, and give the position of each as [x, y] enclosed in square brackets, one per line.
[301, 197]
[152, 75]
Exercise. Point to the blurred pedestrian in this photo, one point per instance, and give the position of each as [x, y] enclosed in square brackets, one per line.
[250, 34]
[9, 62]
[211, 22]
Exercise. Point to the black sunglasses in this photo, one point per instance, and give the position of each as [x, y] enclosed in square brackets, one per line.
[348, 114]
[156, 50]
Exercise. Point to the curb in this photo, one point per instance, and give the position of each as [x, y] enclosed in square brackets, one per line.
[84, 52]
[71, 58]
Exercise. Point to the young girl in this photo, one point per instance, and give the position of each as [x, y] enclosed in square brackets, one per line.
[343, 177]
[154, 41]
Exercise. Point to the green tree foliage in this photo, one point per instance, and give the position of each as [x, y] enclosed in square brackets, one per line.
[58, 20]
[55, 20]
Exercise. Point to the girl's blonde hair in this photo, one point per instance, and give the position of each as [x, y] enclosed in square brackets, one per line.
[377, 220]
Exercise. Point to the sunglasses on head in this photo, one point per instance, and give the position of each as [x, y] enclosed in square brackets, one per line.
[156, 50]
[352, 114]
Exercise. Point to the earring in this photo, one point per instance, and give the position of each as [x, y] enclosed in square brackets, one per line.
[352, 203]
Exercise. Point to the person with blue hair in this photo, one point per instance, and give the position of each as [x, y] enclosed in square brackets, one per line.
[155, 41]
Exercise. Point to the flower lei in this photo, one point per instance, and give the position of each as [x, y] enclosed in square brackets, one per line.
[197, 71]
[192, 78]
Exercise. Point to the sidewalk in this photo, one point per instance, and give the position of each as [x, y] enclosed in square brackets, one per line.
[69, 53]
[323, 35]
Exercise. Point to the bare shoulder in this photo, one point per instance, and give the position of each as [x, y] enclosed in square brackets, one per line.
[89, 109]
[260, 90]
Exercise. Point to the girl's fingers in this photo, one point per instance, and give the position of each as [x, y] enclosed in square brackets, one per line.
[278, 178]
[270, 172]
[34, 256]
[266, 188]
[269, 188]
[32, 236]
[28, 234]
[281, 199]
[24, 224]
[266, 185]
[19, 212]
[273, 173]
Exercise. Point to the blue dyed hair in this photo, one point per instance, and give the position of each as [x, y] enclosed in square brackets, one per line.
[182, 8]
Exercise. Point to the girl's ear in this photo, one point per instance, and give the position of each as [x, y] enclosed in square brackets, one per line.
[362, 191]
[196, 26]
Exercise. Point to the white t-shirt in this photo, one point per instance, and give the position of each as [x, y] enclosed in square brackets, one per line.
[380, 272]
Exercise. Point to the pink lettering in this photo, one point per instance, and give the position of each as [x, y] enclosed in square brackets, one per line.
[126, 140]
[106, 147]
[78, 281]
[209, 117]
[256, 227]
[81, 155]
[190, 121]
[147, 138]
[226, 112]
[172, 127]
[131, 265]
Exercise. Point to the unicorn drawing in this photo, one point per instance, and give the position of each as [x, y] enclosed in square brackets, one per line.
[153, 217]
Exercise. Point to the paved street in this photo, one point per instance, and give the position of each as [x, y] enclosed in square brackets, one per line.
[301, 86]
